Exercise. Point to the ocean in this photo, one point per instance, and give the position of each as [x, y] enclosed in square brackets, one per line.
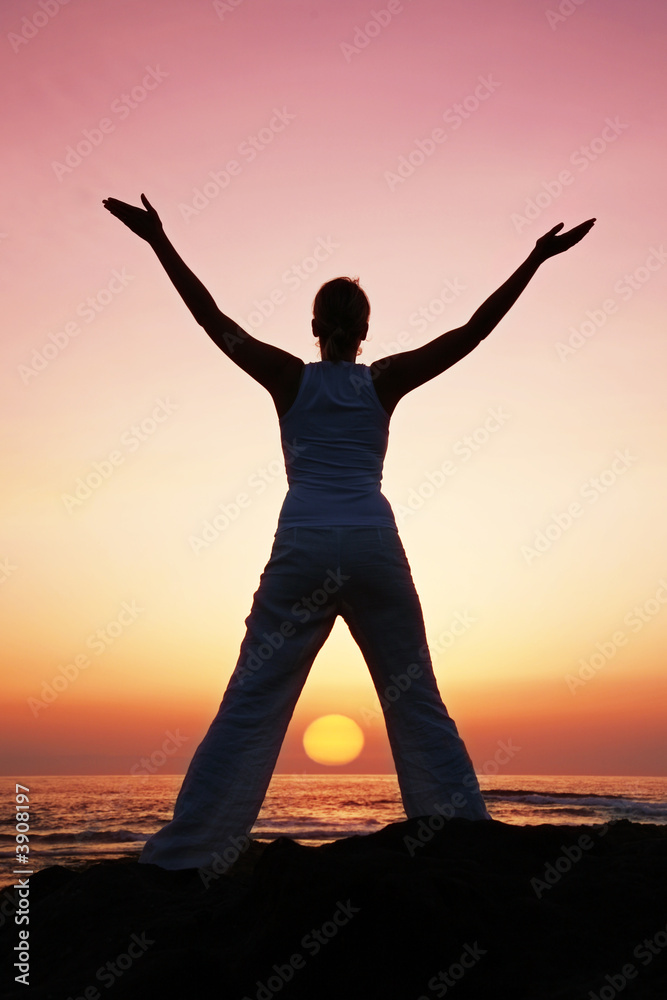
[79, 818]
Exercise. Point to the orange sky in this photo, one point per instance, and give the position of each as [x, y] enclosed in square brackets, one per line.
[424, 155]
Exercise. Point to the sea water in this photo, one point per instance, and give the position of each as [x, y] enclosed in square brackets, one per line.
[77, 818]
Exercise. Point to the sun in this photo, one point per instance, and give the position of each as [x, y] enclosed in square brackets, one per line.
[333, 739]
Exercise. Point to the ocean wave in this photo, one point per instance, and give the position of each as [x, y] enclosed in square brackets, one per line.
[366, 803]
[511, 792]
[103, 836]
[559, 801]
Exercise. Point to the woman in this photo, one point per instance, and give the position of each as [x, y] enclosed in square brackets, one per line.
[336, 552]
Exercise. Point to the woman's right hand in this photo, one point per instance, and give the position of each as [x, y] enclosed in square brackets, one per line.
[550, 244]
[145, 223]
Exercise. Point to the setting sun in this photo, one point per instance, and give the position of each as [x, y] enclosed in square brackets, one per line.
[333, 739]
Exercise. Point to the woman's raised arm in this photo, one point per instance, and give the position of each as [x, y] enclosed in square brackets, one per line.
[272, 367]
[400, 373]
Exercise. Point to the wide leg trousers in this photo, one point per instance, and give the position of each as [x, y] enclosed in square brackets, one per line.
[313, 575]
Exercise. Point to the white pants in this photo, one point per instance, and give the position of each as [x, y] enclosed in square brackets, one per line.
[313, 575]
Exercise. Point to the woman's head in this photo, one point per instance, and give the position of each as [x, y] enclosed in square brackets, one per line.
[340, 317]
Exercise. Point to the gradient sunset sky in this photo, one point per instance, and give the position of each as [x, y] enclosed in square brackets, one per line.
[422, 146]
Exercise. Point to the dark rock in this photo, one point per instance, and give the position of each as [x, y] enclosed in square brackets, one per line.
[419, 910]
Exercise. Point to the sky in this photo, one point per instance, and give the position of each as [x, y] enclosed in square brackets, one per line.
[424, 147]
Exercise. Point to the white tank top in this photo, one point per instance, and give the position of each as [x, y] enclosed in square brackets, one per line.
[334, 439]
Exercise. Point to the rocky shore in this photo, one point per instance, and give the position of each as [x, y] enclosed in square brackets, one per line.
[422, 909]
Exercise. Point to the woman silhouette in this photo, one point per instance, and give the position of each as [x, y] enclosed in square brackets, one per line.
[336, 551]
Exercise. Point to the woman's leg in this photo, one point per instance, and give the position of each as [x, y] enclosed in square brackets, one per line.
[229, 774]
[384, 615]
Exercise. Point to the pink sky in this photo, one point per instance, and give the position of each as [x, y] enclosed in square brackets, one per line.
[504, 119]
